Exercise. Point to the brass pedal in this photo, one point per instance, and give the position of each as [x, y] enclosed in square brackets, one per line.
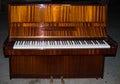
[51, 80]
[62, 80]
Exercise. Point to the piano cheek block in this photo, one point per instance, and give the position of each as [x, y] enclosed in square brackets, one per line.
[55, 40]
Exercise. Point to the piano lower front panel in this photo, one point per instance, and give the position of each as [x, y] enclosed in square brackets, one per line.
[56, 66]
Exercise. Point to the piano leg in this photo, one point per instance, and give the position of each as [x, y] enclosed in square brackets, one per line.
[57, 66]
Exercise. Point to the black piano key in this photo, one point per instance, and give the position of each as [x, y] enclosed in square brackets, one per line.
[58, 42]
[32, 43]
[62, 43]
[52, 42]
[89, 42]
[70, 42]
[75, 42]
[46, 42]
[83, 42]
[16, 42]
[101, 42]
[25, 42]
[37, 42]
[66, 43]
[19, 42]
[80, 42]
[95, 42]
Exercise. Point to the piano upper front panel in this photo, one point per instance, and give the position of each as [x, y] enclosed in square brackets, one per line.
[57, 20]
[57, 13]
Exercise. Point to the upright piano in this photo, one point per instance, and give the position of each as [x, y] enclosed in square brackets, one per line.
[64, 38]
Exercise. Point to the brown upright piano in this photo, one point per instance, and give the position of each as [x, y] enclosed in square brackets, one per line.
[65, 38]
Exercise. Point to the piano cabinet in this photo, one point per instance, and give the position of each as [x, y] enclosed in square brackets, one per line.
[69, 63]
[67, 66]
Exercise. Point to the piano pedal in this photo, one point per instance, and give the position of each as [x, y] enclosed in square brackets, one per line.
[62, 80]
[36, 81]
[51, 80]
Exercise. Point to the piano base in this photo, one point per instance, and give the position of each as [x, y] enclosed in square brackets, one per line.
[90, 66]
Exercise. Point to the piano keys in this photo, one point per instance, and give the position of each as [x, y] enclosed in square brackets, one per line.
[58, 39]
[62, 44]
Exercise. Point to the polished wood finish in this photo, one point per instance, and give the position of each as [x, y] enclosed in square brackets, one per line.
[57, 22]
[56, 66]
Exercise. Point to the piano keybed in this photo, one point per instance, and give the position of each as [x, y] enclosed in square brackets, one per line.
[61, 44]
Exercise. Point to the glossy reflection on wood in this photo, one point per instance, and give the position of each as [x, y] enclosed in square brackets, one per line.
[56, 66]
[57, 20]
[57, 13]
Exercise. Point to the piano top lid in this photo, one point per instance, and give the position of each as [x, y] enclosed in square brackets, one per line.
[83, 2]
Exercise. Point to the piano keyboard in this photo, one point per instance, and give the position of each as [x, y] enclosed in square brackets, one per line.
[66, 44]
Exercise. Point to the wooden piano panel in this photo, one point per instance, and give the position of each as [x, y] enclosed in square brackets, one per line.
[57, 13]
[56, 66]
[37, 32]
[63, 20]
